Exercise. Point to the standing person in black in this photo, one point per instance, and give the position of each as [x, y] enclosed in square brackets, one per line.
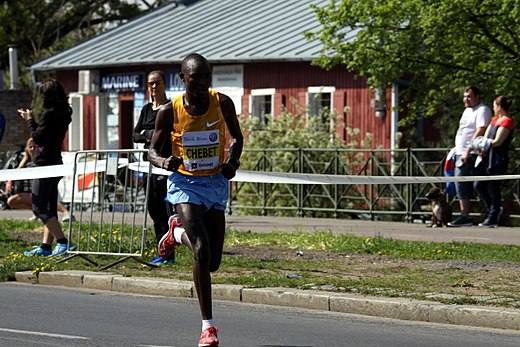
[48, 121]
[158, 208]
[498, 137]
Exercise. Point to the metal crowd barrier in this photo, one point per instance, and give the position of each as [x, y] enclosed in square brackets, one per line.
[396, 202]
[109, 206]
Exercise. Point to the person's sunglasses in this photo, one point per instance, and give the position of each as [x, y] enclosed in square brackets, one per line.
[152, 83]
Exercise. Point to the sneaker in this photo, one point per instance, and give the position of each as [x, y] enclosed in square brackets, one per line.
[32, 218]
[461, 221]
[488, 223]
[37, 251]
[167, 243]
[208, 337]
[61, 249]
[160, 261]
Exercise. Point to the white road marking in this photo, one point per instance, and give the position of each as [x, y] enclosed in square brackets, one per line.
[39, 333]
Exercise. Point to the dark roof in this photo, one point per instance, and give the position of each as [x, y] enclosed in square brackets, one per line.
[221, 30]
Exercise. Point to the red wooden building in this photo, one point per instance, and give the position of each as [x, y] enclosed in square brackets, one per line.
[259, 55]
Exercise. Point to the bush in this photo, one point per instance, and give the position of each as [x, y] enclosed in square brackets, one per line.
[303, 144]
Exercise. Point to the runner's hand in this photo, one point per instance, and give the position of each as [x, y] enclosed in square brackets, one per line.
[228, 171]
[171, 163]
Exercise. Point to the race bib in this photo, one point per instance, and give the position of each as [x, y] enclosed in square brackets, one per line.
[201, 150]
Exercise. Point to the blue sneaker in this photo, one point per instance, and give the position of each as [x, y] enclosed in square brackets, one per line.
[160, 261]
[37, 251]
[61, 249]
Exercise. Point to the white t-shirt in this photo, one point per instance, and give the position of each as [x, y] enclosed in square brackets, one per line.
[472, 119]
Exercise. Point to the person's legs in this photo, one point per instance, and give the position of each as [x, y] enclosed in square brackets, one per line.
[45, 206]
[159, 210]
[204, 235]
[494, 204]
[192, 220]
[464, 193]
[483, 190]
[20, 201]
[157, 207]
[202, 230]
[62, 208]
[465, 206]
[47, 236]
[67, 215]
[215, 222]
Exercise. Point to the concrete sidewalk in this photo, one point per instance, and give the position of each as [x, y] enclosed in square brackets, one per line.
[398, 308]
[394, 230]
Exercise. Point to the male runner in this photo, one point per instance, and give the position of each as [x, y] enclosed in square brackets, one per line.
[196, 122]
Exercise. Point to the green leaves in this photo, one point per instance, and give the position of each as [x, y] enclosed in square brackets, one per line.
[438, 45]
[42, 28]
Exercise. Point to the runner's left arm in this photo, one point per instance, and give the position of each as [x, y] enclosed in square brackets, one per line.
[230, 116]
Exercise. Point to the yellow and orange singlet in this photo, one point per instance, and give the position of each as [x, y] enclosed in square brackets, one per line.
[199, 140]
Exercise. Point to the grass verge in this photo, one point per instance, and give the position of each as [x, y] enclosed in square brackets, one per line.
[459, 273]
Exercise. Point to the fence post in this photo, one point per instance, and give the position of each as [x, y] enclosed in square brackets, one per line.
[264, 198]
[409, 185]
[336, 189]
[371, 188]
[300, 186]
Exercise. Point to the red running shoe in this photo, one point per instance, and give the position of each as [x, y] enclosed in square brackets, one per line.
[209, 338]
[167, 244]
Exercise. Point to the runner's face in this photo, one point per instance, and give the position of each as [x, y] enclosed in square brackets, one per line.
[155, 85]
[196, 77]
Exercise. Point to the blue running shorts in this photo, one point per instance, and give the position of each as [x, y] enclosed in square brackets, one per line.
[209, 191]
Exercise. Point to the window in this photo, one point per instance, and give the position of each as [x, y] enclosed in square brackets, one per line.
[261, 104]
[319, 103]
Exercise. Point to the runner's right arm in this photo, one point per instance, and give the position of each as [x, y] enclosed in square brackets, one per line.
[163, 128]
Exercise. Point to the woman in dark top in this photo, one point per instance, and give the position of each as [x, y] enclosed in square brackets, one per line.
[496, 159]
[158, 208]
[48, 121]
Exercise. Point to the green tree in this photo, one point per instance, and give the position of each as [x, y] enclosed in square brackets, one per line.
[40, 28]
[299, 143]
[437, 46]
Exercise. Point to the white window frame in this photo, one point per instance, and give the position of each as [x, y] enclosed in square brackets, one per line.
[320, 90]
[262, 92]
[75, 136]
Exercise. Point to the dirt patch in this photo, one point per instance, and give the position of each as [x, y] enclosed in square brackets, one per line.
[445, 280]
[29, 236]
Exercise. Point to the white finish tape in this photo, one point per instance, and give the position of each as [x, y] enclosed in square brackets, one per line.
[244, 175]
[298, 178]
[52, 171]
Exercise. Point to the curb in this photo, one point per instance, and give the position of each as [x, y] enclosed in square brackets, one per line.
[396, 308]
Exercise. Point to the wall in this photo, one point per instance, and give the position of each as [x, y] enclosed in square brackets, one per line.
[16, 131]
[352, 98]
[291, 80]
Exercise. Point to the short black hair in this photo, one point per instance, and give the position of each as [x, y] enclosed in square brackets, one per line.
[196, 57]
